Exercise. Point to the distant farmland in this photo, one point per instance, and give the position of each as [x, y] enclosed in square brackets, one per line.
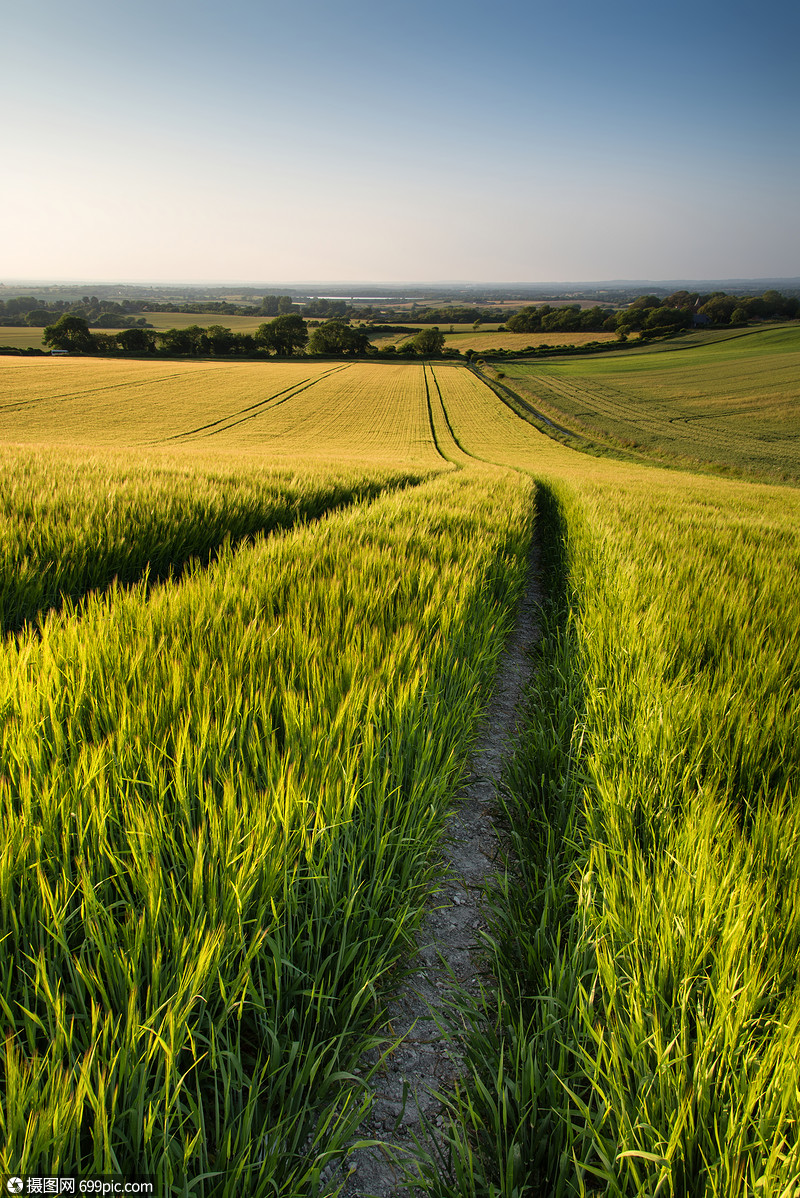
[252, 613]
[463, 337]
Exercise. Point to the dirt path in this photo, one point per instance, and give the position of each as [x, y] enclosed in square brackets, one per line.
[422, 1062]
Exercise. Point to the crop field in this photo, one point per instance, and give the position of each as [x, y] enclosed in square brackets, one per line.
[21, 338]
[291, 411]
[252, 614]
[451, 330]
[184, 320]
[115, 516]
[464, 337]
[481, 340]
[729, 404]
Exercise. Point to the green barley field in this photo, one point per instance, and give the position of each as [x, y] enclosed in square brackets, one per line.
[252, 613]
[728, 404]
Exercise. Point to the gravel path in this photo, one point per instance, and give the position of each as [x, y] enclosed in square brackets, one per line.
[422, 1062]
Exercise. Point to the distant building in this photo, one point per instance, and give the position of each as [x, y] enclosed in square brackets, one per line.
[55, 352]
[698, 319]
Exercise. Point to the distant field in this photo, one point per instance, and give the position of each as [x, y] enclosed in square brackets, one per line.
[520, 341]
[182, 320]
[23, 338]
[732, 404]
[464, 337]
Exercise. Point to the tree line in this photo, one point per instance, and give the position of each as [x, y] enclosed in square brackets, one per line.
[653, 316]
[27, 310]
[718, 307]
[286, 335]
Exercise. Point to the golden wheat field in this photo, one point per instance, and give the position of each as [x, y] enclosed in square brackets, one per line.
[296, 409]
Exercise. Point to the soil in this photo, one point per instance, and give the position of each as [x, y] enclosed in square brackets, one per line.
[423, 1062]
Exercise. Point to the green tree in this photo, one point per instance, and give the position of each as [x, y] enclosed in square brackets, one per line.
[70, 333]
[136, 341]
[646, 301]
[284, 334]
[38, 317]
[666, 320]
[104, 343]
[218, 340]
[337, 337]
[719, 308]
[527, 320]
[566, 319]
[428, 341]
[182, 341]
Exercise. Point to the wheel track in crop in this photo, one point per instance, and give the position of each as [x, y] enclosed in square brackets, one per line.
[225, 423]
[405, 1110]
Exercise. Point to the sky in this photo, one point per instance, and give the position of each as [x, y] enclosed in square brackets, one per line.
[258, 142]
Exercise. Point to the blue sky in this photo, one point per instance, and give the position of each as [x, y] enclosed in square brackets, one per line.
[259, 142]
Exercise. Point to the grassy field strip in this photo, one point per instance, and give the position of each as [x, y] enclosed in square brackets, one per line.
[252, 409]
[597, 411]
[519, 342]
[31, 336]
[647, 1031]
[698, 339]
[68, 525]
[187, 981]
[730, 405]
[600, 398]
[185, 320]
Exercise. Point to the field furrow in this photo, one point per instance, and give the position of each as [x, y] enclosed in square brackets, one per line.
[440, 423]
[485, 427]
[241, 415]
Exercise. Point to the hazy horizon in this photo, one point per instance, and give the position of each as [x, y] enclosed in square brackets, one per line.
[174, 145]
[390, 285]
